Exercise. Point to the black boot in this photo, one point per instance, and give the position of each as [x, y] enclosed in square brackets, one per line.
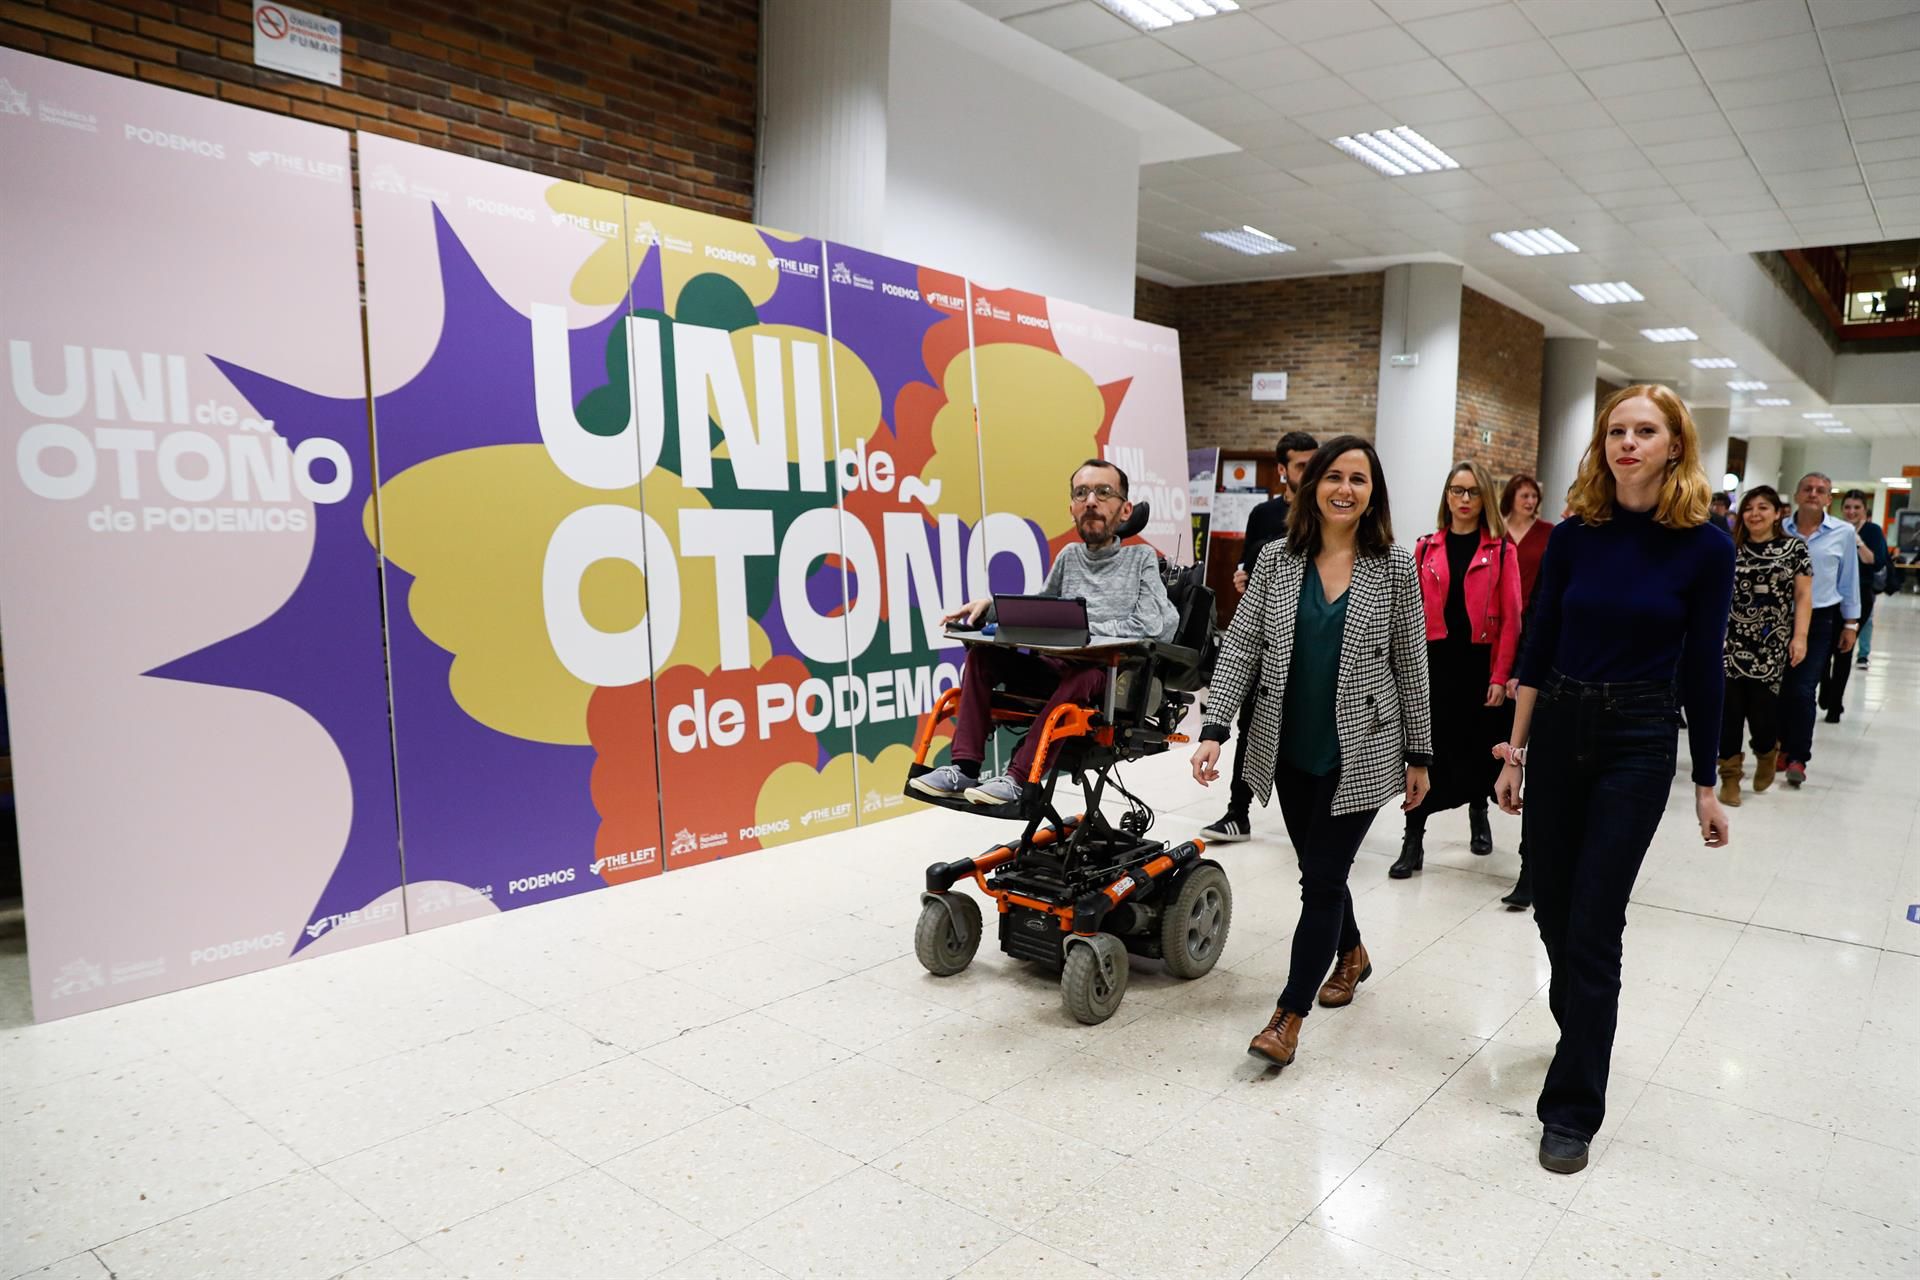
[1522, 896]
[1482, 842]
[1412, 854]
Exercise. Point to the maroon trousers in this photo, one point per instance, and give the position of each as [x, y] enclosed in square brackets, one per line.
[1028, 674]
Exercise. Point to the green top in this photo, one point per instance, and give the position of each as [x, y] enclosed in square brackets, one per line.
[1308, 739]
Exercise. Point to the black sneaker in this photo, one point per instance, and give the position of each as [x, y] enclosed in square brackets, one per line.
[1562, 1152]
[1861, 663]
[1231, 829]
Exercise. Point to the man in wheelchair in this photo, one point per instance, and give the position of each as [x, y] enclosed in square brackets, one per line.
[1125, 598]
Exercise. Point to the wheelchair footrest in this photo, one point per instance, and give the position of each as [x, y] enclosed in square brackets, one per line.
[1020, 810]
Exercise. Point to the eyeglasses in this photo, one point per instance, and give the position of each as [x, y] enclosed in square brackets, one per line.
[1455, 491]
[1104, 492]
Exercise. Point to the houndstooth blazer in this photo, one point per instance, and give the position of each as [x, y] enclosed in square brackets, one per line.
[1381, 712]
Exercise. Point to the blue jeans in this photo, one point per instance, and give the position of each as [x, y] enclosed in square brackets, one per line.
[1800, 688]
[1600, 763]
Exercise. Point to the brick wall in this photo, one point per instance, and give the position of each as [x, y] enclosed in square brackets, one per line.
[657, 98]
[1502, 359]
[1323, 331]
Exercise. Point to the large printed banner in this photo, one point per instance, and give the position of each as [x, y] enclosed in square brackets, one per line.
[191, 611]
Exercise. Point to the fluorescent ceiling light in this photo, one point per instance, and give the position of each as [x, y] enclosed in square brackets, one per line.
[1897, 482]
[1773, 402]
[1248, 240]
[1538, 240]
[1746, 385]
[1713, 362]
[1396, 152]
[1669, 335]
[1835, 429]
[1153, 15]
[1602, 294]
[1819, 415]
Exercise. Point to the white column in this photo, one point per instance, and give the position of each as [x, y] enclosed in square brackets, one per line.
[1710, 422]
[1763, 463]
[1413, 425]
[1566, 416]
[823, 118]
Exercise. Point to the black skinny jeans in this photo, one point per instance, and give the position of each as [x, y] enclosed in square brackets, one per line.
[1325, 846]
[1600, 762]
[1801, 683]
[1240, 804]
[1839, 668]
[1749, 702]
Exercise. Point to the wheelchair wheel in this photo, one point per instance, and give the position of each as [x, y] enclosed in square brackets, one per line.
[1193, 927]
[948, 934]
[1095, 978]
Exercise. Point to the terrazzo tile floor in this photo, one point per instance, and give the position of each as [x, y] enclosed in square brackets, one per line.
[741, 1071]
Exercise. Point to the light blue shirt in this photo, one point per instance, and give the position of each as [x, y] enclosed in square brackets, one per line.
[1836, 565]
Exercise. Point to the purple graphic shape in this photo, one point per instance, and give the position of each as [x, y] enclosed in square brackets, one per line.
[320, 650]
[885, 331]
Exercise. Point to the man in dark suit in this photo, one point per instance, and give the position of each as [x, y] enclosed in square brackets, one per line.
[1265, 523]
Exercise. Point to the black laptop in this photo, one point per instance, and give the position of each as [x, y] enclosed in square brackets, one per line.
[1058, 622]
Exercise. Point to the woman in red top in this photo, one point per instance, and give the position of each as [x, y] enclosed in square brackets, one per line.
[1470, 586]
[1520, 506]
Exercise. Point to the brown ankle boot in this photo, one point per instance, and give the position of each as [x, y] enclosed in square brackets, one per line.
[1764, 763]
[1278, 1040]
[1731, 769]
[1349, 971]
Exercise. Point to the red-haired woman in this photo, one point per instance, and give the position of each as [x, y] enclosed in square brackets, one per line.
[1629, 621]
[1470, 590]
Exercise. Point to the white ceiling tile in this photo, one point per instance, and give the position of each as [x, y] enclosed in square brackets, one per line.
[1880, 128]
[1637, 198]
[1557, 196]
[1269, 131]
[1233, 108]
[1507, 62]
[1607, 46]
[1559, 17]
[1379, 47]
[1008, 8]
[1737, 24]
[1188, 84]
[1764, 58]
[1891, 149]
[1679, 129]
[1695, 149]
[1760, 90]
[1422, 110]
[1818, 141]
[1739, 169]
[1687, 100]
[1477, 154]
[1499, 175]
[1582, 141]
[1264, 182]
[1345, 120]
[1138, 56]
[1409, 11]
[1880, 170]
[1791, 186]
[1073, 26]
[1650, 75]
[1481, 28]
[1266, 69]
[1311, 95]
[1718, 206]
[1899, 99]
[1854, 196]
[1622, 161]
[1294, 154]
[1751, 221]
[1619, 180]
[1540, 91]
[1872, 39]
[1784, 115]
[1424, 76]
[1454, 133]
[1877, 73]
[1558, 117]
[1840, 13]
[1304, 20]
[1225, 36]
[1341, 173]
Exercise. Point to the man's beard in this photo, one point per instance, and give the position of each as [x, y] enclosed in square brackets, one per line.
[1102, 536]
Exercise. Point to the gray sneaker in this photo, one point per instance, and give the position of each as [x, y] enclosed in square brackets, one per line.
[1000, 790]
[949, 782]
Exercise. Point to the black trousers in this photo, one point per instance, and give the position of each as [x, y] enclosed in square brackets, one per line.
[1240, 802]
[1600, 762]
[1749, 703]
[1325, 846]
[1799, 685]
[1839, 666]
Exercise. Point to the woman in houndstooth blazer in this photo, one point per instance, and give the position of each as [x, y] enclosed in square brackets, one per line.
[1331, 639]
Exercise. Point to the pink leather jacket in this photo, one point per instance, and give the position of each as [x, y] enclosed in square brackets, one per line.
[1493, 595]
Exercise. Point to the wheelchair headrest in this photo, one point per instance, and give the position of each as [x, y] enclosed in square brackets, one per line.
[1134, 523]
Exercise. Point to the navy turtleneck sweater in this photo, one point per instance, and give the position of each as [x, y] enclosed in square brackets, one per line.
[1632, 600]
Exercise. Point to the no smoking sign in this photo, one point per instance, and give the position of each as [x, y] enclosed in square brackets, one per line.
[296, 42]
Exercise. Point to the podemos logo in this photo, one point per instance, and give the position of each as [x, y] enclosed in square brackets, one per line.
[236, 949]
[545, 880]
[175, 142]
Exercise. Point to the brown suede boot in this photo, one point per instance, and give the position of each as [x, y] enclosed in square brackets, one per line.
[1731, 769]
[1764, 763]
[1349, 971]
[1279, 1039]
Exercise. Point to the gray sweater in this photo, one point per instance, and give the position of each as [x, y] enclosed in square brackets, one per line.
[1121, 585]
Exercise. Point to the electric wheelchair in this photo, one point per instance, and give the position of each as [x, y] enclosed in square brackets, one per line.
[1079, 894]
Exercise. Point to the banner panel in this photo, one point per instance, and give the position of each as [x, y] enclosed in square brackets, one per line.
[510, 516]
[196, 686]
[909, 465]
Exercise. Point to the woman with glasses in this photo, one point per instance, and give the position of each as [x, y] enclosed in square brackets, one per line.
[1766, 634]
[1631, 607]
[1329, 641]
[1470, 592]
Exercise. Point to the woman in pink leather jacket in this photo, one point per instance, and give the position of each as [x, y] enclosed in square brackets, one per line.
[1470, 582]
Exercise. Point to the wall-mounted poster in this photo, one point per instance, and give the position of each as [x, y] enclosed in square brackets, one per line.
[192, 622]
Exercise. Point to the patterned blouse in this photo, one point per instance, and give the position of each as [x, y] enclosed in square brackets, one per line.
[1761, 624]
